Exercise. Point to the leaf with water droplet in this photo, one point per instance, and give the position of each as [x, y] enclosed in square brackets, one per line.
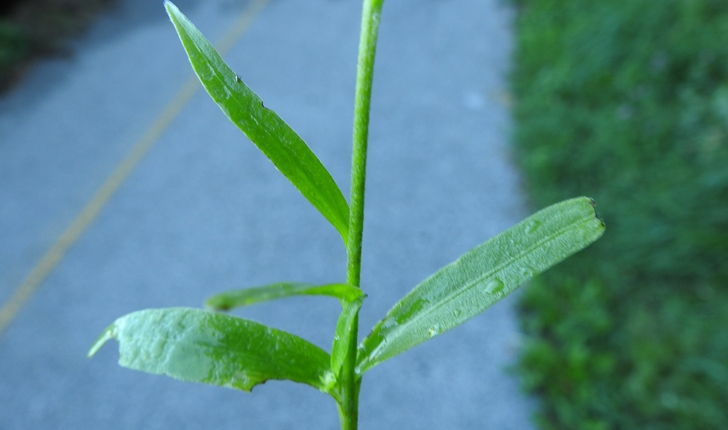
[481, 277]
[434, 331]
[217, 349]
[276, 139]
[532, 226]
[494, 286]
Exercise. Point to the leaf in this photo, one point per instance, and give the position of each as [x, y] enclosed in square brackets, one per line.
[481, 277]
[200, 346]
[276, 139]
[342, 339]
[248, 296]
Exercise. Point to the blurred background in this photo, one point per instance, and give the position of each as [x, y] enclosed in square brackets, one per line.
[31, 29]
[625, 101]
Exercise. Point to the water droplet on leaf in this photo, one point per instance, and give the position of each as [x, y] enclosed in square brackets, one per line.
[494, 286]
[528, 272]
[532, 226]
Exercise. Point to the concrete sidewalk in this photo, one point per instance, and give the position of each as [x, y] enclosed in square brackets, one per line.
[204, 211]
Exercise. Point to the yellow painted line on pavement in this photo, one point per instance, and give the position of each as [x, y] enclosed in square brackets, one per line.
[55, 254]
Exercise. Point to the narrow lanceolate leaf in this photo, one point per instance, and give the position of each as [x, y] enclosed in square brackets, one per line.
[344, 332]
[481, 277]
[248, 296]
[200, 346]
[276, 139]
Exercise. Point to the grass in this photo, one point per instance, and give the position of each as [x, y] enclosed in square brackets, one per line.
[36, 28]
[628, 103]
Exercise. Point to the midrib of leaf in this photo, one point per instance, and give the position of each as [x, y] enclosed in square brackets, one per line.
[466, 287]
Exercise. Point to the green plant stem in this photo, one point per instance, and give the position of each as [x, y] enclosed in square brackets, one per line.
[350, 381]
[367, 48]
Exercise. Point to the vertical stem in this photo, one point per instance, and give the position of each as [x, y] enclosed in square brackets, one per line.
[367, 49]
[350, 381]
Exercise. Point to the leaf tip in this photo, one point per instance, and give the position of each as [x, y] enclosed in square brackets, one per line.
[169, 6]
[593, 203]
[175, 15]
[109, 333]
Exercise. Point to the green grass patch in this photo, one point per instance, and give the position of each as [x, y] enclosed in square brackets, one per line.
[627, 102]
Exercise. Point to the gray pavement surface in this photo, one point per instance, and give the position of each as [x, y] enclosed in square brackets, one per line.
[204, 211]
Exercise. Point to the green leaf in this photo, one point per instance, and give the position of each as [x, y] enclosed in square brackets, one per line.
[481, 277]
[276, 139]
[248, 296]
[343, 339]
[200, 346]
